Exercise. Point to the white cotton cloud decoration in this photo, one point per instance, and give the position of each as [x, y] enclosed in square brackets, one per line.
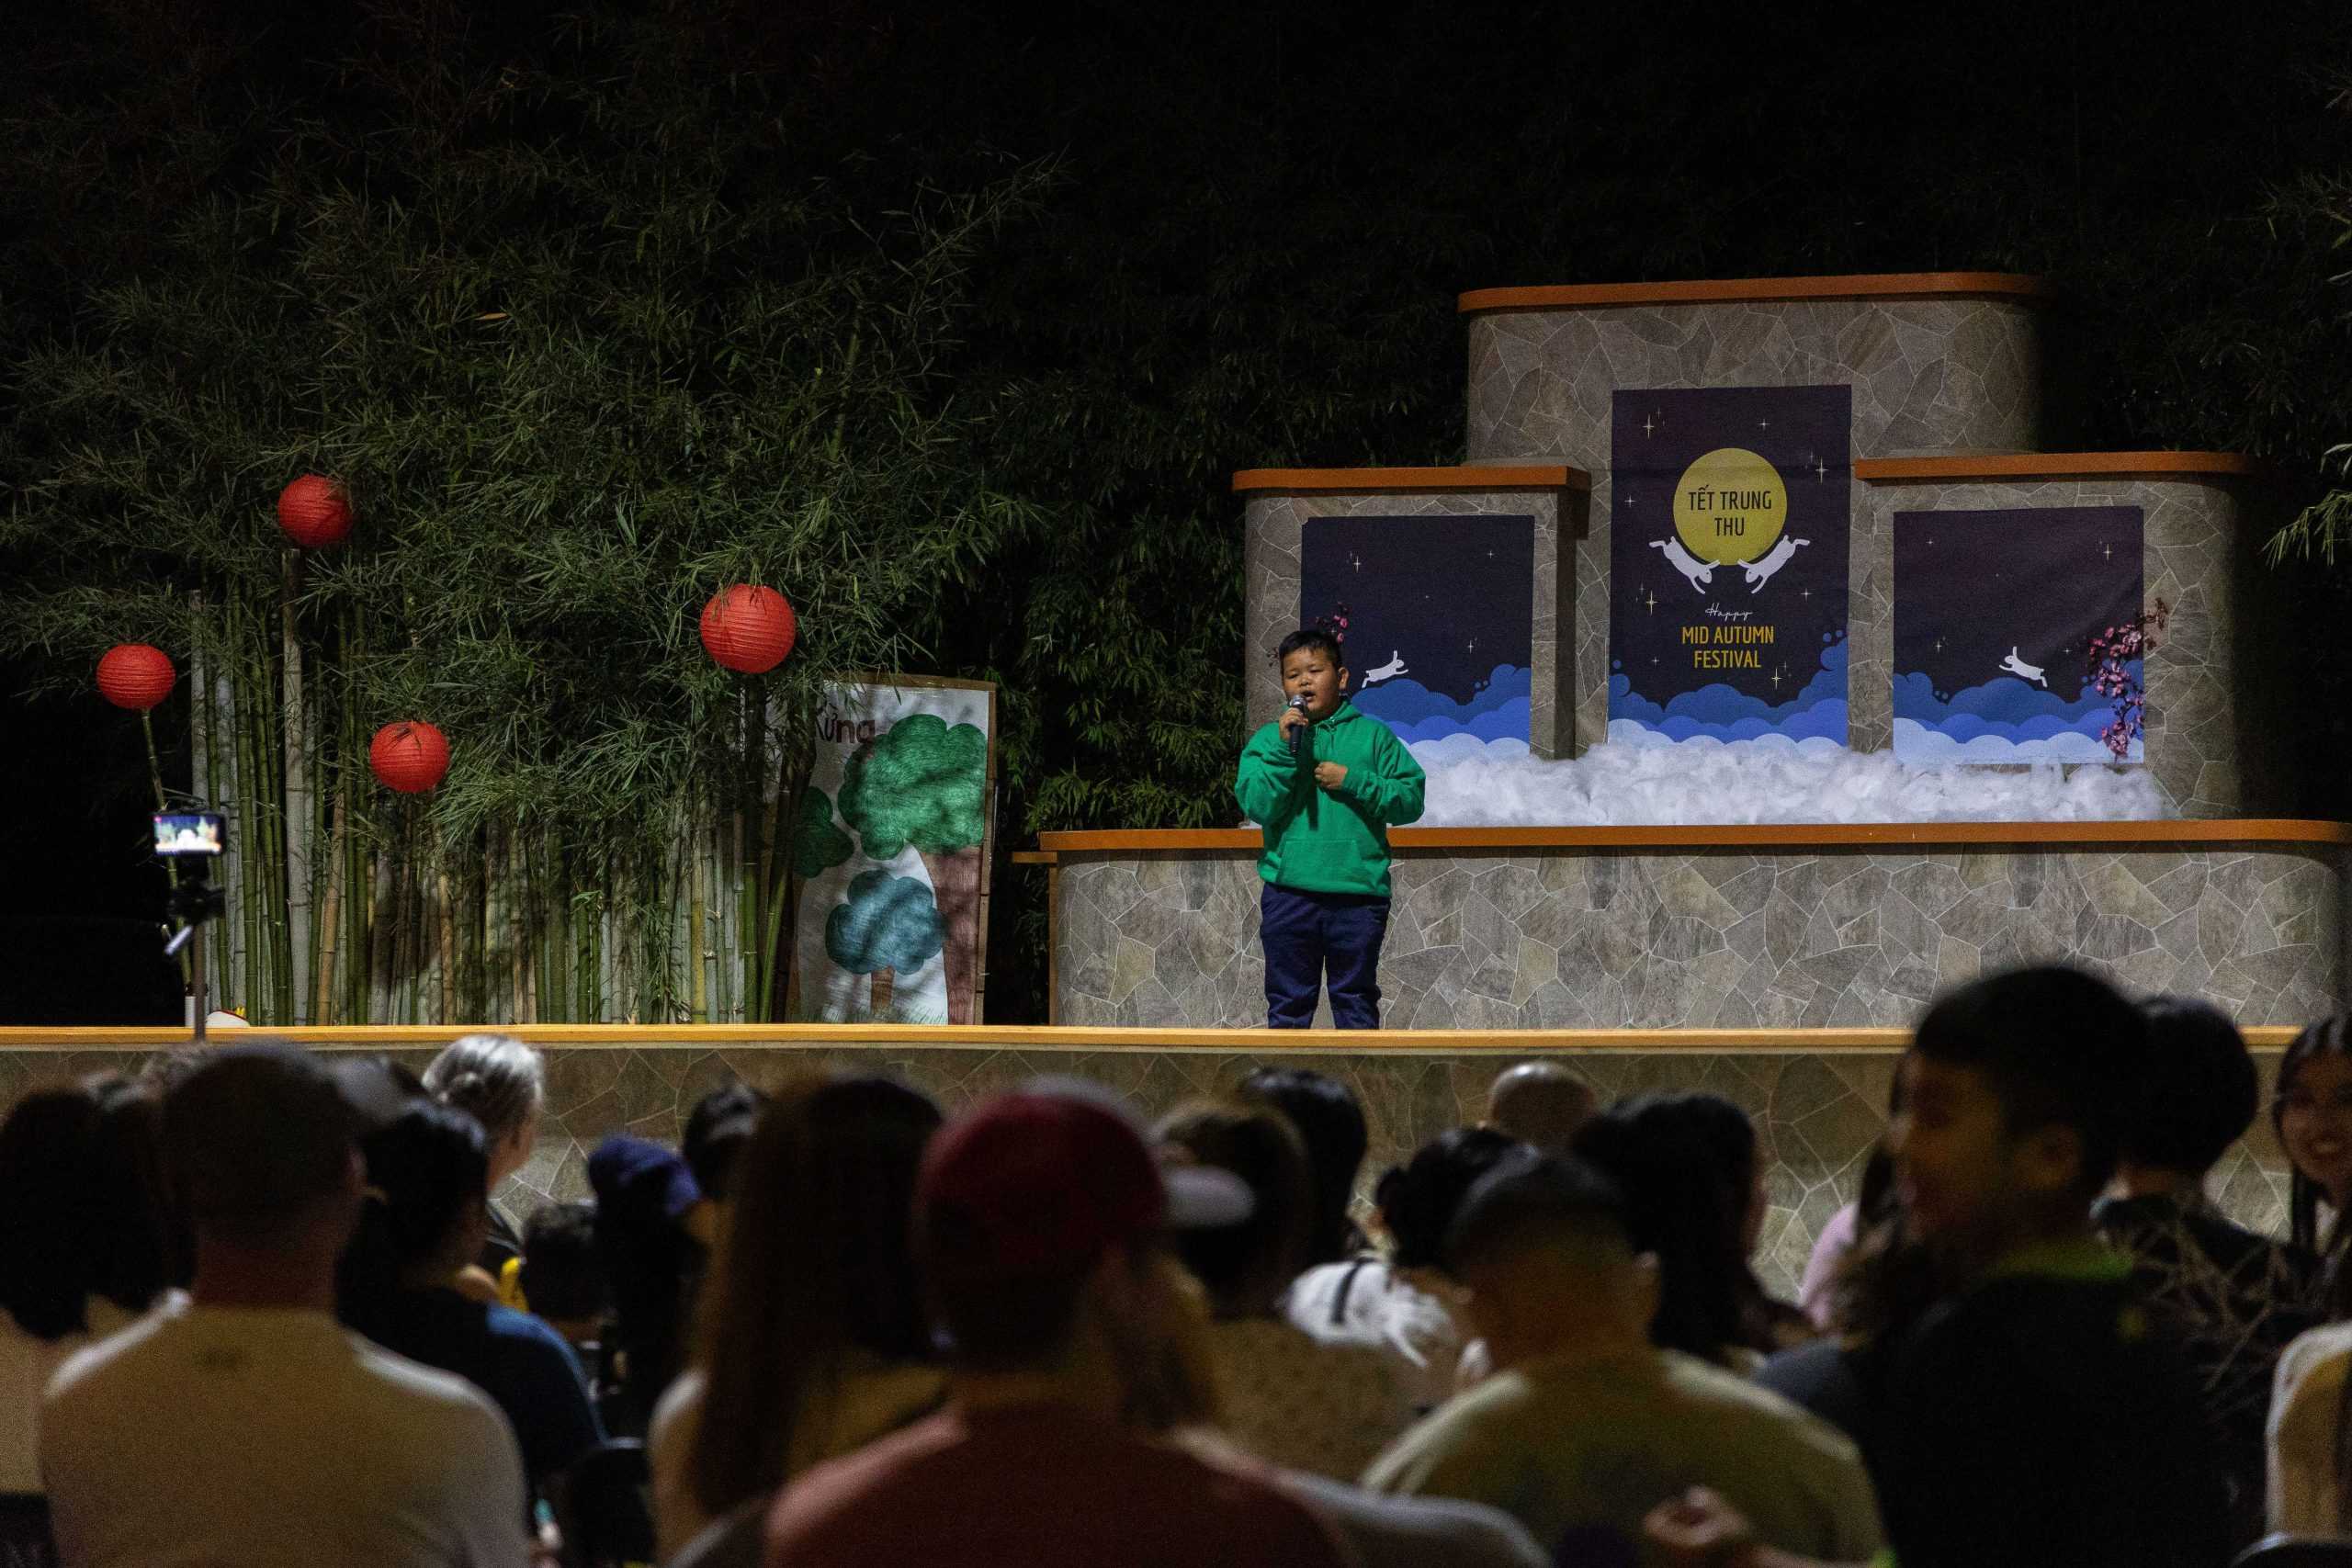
[1499, 784]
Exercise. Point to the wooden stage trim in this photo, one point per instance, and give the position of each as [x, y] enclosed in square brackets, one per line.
[2056, 465]
[1749, 835]
[1015, 1037]
[1374, 481]
[1761, 290]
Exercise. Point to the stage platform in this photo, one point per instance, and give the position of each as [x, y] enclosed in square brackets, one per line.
[1724, 927]
[1818, 1096]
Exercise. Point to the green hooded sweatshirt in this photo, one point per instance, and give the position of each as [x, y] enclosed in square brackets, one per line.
[1322, 841]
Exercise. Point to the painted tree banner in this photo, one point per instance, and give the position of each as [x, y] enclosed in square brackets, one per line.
[1436, 615]
[891, 852]
[1729, 516]
[2018, 635]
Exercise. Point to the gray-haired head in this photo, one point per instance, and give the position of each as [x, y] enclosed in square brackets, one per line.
[495, 1079]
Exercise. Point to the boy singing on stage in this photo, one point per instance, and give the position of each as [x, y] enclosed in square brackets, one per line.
[1325, 782]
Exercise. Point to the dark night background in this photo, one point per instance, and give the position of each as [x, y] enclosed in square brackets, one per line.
[1957, 582]
[1427, 587]
[1796, 429]
[1260, 219]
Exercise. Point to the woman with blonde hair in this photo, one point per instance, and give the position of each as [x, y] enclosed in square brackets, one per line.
[500, 1083]
[811, 1339]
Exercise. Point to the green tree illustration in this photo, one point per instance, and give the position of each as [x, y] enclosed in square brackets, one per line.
[920, 781]
[886, 923]
[925, 782]
[818, 845]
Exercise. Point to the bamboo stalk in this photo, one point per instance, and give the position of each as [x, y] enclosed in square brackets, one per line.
[697, 979]
[248, 797]
[330, 926]
[272, 770]
[446, 923]
[302, 936]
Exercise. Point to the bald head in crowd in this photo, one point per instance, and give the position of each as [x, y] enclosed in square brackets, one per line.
[1540, 1103]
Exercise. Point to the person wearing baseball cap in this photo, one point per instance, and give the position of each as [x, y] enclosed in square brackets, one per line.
[1041, 1225]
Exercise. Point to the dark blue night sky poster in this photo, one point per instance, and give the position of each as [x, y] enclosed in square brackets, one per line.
[1437, 615]
[1729, 515]
[1996, 613]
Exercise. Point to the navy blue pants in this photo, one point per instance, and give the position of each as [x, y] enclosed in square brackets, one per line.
[1308, 933]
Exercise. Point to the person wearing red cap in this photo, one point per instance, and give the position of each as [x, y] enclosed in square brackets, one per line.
[1041, 1226]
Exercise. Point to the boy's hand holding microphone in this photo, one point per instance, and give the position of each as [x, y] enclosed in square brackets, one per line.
[1293, 726]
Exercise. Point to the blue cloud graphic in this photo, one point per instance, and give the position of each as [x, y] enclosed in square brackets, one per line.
[1816, 711]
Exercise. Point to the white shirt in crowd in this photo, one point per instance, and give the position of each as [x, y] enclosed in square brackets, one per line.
[203, 1435]
[1364, 1302]
[2306, 1401]
[27, 1363]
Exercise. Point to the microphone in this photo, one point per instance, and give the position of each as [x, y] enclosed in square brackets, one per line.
[1298, 704]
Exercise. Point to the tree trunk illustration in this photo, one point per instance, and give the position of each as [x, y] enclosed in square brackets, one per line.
[883, 979]
[955, 884]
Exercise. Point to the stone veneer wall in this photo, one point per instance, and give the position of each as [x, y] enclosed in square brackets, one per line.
[1930, 376]
[1817, 1115]
[1633, 938]
[1272, 565]
[2196, 743]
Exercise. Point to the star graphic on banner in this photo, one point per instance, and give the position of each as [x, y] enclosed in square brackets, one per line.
[1804, 593]
[1763, 424]
[1820, 468]
[1650, 601]
[1776, 677]
[2107, 549]
[1649, 425]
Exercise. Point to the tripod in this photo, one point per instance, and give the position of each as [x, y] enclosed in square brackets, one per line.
[193, 902]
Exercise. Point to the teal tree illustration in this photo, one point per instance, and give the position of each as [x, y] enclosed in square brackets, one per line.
[886, 924]
[925, 782]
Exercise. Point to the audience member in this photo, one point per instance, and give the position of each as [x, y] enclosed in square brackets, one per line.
[1041, 1227]
[84, 1246]
[1881, 1287]
[502, 1084]
[2309, 1437]
[562, 1279]
[811, 1336]
[1585, 1424]
[1322, 1406]
[2311, 1110]
[244, 1424]
[1686, 1167]
[646, 1198]
[1540, 1103]
[2010, 1401]
[427, 1206]
[1331, 1124]
[1400, 1304]
[2229, 1299]
[1172, 1391]
[719, 1129]
[1838, 1234]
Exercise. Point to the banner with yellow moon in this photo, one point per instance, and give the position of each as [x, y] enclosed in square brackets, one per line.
[1729, 516]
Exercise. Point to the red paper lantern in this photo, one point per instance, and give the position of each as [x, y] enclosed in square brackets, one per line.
[315, 511]
[748, 628]
[410, 756]
[135, 676]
